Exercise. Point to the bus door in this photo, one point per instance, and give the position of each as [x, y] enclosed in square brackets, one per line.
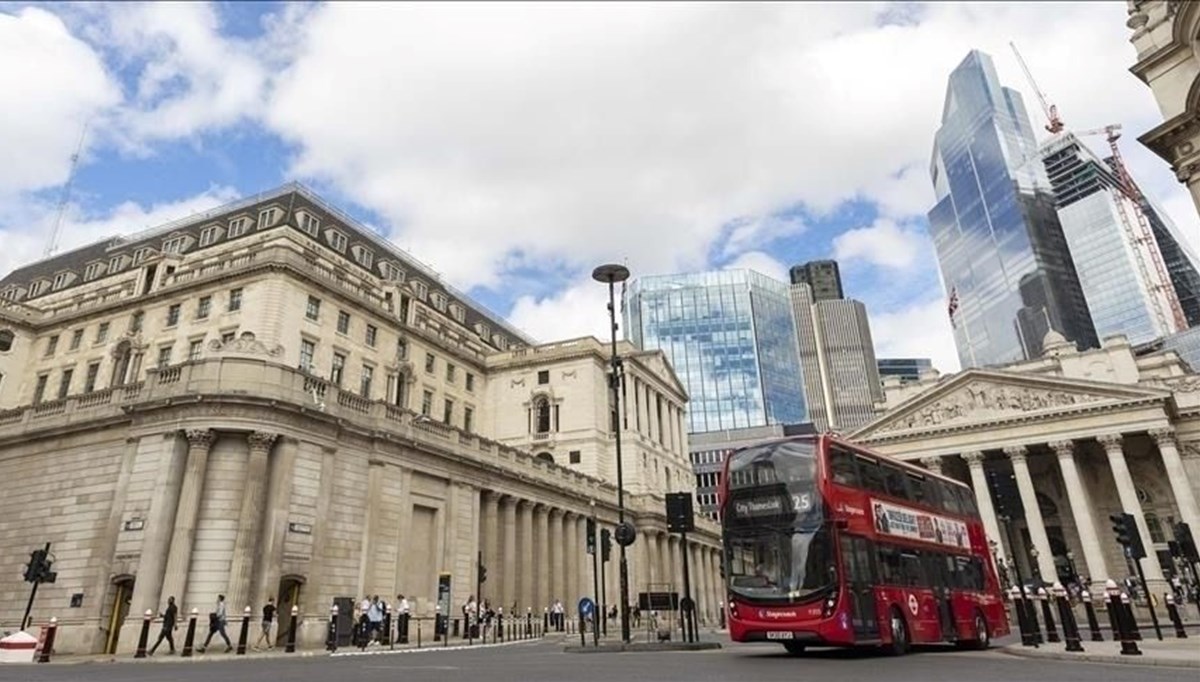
[942, 577]
[858, 564]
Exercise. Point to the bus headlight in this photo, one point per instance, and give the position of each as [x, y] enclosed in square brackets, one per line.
[827, 609]
[733, 611]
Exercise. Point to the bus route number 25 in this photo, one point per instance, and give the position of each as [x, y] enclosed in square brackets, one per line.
[801, 503]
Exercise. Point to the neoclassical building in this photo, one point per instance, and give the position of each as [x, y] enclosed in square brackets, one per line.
[1166, 35]
[268, 400]
[1053, 446]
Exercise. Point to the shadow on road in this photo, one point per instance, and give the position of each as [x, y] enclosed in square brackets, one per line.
[837, 654]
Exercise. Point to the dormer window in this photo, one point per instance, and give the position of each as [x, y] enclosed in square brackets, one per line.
[62, 279]
[268, 217]
[175, 244]
[238, 227]
[458, 312]
[93, 271]
[37, 288]
[310, 224]
[10, 293]
[142, 254]
[391, 272]
[439, 301]
[483, 331]
[336, 239]
[210, 235]
[420, 289]
[363, 255]
[501, 341]
[116, 264]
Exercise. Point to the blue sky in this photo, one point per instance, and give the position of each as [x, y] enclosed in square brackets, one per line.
[513, 147]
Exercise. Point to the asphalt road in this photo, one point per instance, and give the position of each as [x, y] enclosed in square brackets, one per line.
[545, 661]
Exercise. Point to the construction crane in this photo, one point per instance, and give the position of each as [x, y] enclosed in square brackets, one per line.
[1054, 123]
[1144, 242]
[52, 246]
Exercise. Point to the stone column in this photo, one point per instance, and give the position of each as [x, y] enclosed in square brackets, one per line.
[714, 560]
[643, 562]
[160, 522]
[179, 560]
[983, 500]
[526, 555]
[1033, 513]
[557, 570]
[934, 464]
[509, 566]
[699, 581]
[247, 545]
[1089, 540]
[275, 520]
[543, 563]
[1191, 463]
[1185, 499]
[490, 541]
[572, 549]
[1114, 447]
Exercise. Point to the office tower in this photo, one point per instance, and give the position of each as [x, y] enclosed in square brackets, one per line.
[823, 276]
[1003, 258]
[908, 370]
[730, 337]
[1128, 285]
[841, 379]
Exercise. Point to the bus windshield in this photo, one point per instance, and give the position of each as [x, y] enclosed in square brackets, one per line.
[778, 546]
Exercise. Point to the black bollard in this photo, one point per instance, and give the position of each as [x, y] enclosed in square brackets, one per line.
[244, 635]
[144, 637]
[1129, 645]
[418, 633]
[1131, 623]
[1014, 595]
[1173, 614]
[331, 635]
[499, 624]
[1031, 617]
[529, 623]
[1093, 623]
[1065, 614]
[291, 638]
[387, 629]
[1048, 616]
[189, 640]
[545, 621]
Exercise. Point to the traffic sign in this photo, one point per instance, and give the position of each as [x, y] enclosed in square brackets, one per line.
[586, 607]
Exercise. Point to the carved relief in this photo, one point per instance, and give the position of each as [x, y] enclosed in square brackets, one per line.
[517, 382]
[570, 375]
[974, 459]
[1163, 436]
[246, 344]
[1111, 441]
[261, 440]
[1063, 448]
[981, 401]
[1187, 384]
[1190, 450]
[200, 438]
[1017, 453]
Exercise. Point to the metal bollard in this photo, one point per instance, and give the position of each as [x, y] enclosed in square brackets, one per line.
[529, 622]
[1129, 645]
[499, 625]
[1090, 610]
[245, 633]
[144, 637]
[331, 637]
[46, 646]
[1130, 617]
[1173, 614]
[1067, 616]
[545, 620]
[1031, 617]
[189, 640]
[1022, 621]
[291, 638]
[1048, 616]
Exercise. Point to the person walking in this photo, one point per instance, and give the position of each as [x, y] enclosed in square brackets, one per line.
[402, 614]
[170, 619]
[216, 625]
[268, 622]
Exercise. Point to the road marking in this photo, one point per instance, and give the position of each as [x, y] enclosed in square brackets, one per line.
[459, 647]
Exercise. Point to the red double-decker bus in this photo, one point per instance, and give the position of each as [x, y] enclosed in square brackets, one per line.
[829, 544]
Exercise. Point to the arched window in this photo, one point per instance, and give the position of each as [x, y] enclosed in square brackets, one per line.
[6, 340]
[545, 457]
[541, 415]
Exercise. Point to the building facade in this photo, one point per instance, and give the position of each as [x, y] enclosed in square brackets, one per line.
[1003, 257]
[268, 401]
[1052, 446]
[906, 370]
[730, 337]
[824, 277]
[1164, 33]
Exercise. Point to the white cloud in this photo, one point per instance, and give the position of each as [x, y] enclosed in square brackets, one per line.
[918, 331]
[25, 227]
[883, 244]
[53, 82]
[760, 262]
[580, 309]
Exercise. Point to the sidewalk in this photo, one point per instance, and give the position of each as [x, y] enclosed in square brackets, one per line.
[1171, 652]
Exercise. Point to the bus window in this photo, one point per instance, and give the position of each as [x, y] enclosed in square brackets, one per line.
[889, 566]
[921, 490]
[966, 500]
[910, 569]
[894, 480]
[841, 467]
[872, 477]
[950, 498]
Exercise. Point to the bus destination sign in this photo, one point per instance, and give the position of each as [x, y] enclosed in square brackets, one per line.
[913, 524]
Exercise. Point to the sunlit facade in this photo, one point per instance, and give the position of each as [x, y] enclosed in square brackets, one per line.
[730, 337]
[1003, 257]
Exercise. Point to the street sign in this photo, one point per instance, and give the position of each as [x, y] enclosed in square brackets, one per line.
[586, 607]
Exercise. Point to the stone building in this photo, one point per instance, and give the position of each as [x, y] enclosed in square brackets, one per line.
[1164, 35]
[1080, 435]
[269, 400]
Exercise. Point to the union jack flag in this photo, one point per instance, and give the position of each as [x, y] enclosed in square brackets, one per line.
[952, 306]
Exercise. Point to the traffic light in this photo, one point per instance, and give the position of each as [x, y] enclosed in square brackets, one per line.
[33, 570]
[591, 536]
[605, 544]
[1127, 533]
[1187, 545]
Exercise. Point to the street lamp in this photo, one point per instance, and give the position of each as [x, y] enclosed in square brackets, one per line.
[611, 274]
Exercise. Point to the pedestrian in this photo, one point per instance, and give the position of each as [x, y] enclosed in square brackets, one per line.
[374, 621]
[216, 625]
[268, 621]
[170, 618]
[402, 613]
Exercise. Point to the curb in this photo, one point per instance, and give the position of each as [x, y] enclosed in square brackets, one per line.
[642, 647]
[1143, 660]
[434, 648]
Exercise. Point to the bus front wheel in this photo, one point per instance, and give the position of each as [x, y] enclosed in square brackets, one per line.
[794, 648]
[983, 638]
[900, 639]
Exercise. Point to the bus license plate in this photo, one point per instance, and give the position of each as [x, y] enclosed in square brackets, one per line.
[781, 635]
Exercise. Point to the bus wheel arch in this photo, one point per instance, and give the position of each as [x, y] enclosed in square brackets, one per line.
[899, 632]
[982, 635]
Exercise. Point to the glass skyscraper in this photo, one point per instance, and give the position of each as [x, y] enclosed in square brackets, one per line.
[1004, 260]
[730, 337]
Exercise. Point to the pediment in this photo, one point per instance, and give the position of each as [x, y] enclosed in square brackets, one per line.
[984, 396]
